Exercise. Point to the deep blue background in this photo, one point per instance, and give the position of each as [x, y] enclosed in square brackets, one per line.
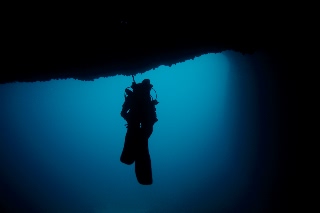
[61, 141]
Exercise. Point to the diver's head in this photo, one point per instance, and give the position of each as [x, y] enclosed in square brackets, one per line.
[146, 83]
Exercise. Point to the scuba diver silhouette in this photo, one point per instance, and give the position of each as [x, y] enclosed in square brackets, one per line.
[139, 111]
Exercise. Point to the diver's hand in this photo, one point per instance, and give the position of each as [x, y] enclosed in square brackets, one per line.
[124, 115]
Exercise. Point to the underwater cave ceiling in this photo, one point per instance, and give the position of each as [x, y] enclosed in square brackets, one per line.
[122, 47]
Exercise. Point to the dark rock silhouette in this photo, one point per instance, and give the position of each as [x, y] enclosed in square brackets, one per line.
[140, 113]
[126, 45]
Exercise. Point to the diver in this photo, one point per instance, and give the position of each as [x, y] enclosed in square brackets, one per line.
[139, 111]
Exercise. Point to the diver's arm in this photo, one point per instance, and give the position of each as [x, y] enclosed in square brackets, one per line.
[125, 108]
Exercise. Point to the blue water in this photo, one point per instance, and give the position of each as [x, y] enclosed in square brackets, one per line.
[61, 142]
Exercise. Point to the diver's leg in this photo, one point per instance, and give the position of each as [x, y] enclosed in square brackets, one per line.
[142, 161]
[129, 148]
